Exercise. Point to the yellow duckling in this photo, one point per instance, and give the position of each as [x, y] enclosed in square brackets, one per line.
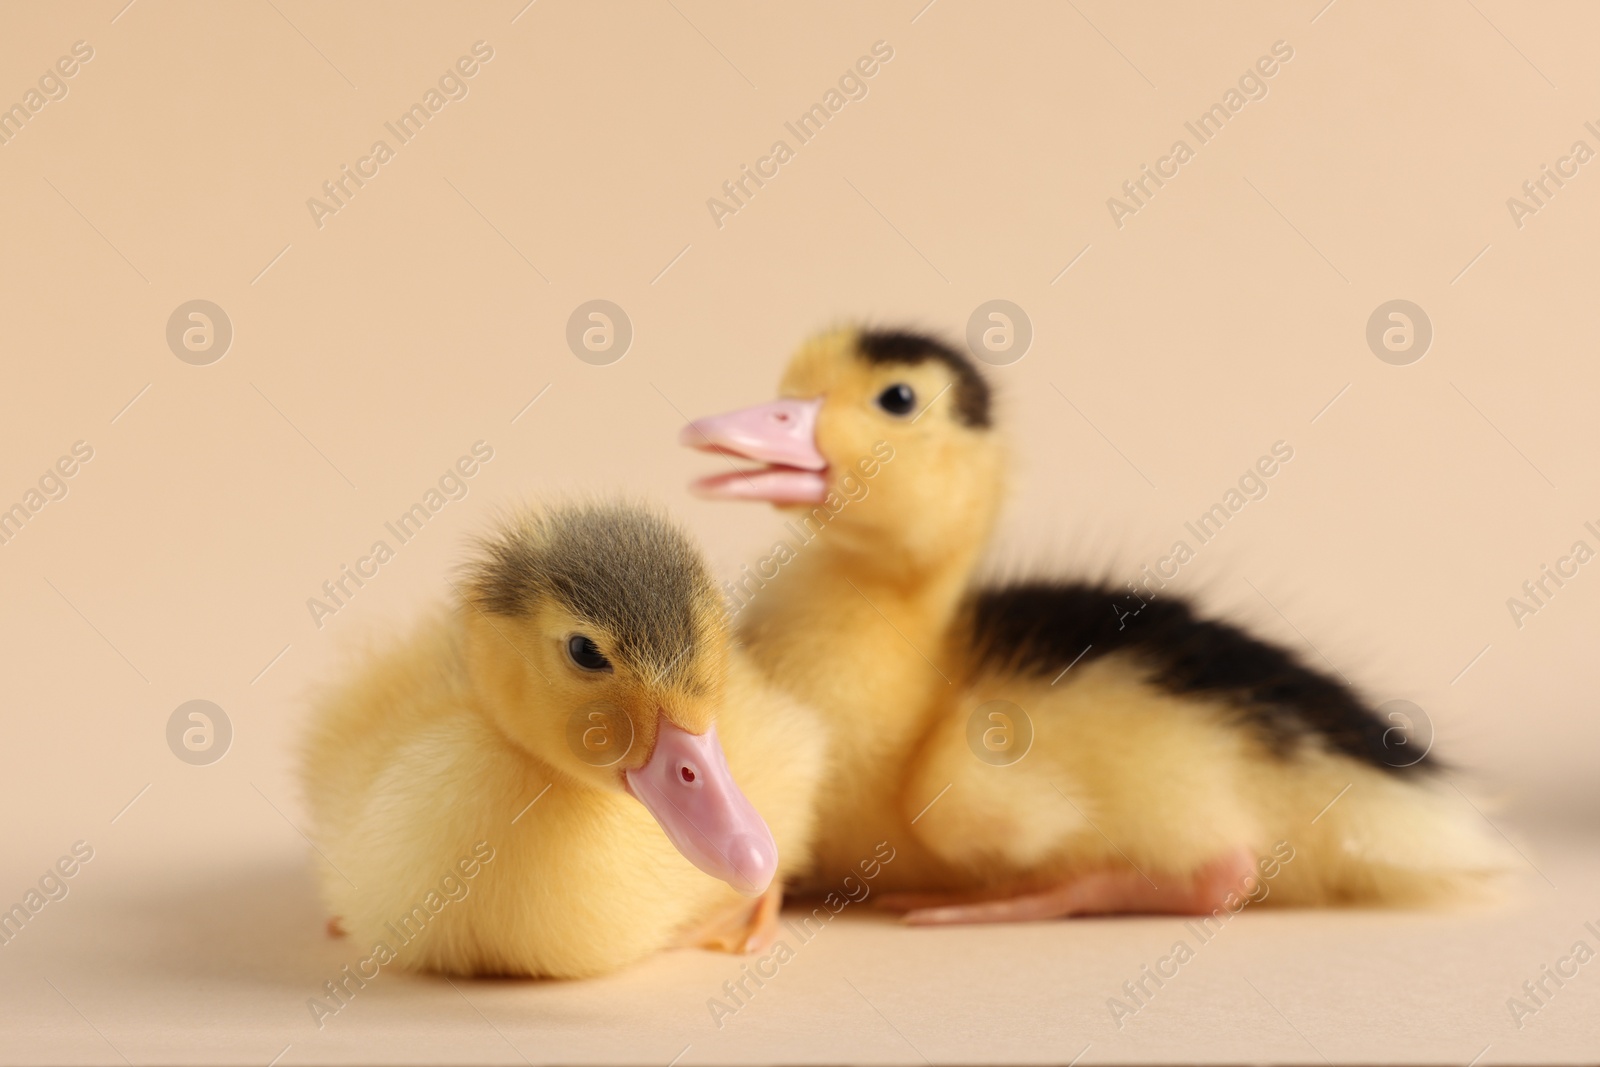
[1038, 751]
[551, 779]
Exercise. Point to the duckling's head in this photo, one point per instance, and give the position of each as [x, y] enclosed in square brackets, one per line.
[596, 642]
[885, 436]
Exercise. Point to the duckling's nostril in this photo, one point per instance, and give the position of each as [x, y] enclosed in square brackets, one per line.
[781, 416]
[686, 772]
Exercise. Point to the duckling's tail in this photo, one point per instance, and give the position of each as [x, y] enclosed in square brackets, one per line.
[1385, 837]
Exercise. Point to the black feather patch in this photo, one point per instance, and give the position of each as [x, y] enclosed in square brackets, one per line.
[1039, 629]
[900, 346]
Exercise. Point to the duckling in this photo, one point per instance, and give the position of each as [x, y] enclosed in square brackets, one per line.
[562, 774]
[1153, 762]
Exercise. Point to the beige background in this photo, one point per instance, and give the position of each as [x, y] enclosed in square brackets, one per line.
[370, 353]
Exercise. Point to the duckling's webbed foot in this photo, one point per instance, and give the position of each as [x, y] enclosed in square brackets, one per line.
[745, 927]
[1110, 892]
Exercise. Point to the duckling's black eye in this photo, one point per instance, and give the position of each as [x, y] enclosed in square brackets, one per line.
[898, 399]
[586, 654]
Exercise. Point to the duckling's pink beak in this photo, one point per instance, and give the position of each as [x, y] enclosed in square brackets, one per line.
[782, 435]
[687, 787]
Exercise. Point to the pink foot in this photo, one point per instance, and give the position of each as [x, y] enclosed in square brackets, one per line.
[1117, 892]
[744, 928]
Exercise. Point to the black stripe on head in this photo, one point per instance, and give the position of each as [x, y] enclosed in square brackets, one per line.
[1040, 628]
[620, 567]
[879, 347]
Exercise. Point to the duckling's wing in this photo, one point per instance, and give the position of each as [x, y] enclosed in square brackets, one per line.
[1044, 630]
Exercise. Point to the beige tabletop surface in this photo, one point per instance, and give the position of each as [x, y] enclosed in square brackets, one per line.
[213, 957]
